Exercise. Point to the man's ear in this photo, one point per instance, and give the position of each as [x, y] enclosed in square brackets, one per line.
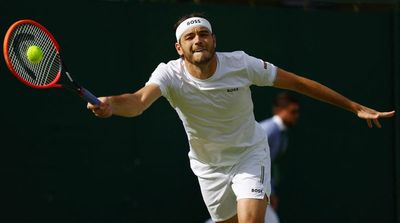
[179, 49]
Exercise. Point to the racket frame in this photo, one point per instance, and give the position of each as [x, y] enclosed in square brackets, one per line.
[82, 92]
[52, 84]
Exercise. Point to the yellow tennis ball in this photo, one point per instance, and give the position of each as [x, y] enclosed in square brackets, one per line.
[34, 54]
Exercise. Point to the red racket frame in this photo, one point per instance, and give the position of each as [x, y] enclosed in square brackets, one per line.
[52, 84]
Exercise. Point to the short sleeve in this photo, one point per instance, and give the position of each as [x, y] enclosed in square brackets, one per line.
[160, 77]
[261, 73]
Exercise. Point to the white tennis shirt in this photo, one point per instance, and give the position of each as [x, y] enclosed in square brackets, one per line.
[217, 113]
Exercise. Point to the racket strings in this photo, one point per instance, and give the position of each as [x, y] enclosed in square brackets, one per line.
[47, 69]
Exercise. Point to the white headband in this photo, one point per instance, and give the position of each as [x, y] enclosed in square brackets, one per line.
[189, 23]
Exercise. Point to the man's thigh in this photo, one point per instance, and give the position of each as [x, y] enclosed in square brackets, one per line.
[234, 219]
[251, 210]
[222, 187]
[252, 186]
[215, 185]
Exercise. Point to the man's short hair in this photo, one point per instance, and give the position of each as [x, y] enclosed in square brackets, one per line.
[284, 99]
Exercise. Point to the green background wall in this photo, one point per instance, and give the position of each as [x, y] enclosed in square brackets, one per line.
[58, 163]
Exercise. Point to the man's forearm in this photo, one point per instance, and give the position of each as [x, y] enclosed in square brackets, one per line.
[314, 90]
[126, 105]
[320, 92]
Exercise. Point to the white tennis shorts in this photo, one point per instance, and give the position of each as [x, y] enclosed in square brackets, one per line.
[222, 186]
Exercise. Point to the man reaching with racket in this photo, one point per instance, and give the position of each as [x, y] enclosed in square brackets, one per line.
[210, 91]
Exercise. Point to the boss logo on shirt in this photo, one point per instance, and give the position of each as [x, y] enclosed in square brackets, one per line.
[232, 89]
[257, 190]
[265, 65]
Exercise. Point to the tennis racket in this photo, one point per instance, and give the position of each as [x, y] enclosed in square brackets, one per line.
[47, 70]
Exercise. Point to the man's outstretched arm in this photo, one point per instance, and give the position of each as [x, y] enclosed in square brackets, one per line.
[290, 81]
[127, 105]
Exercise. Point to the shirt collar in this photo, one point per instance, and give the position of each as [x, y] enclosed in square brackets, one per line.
[279, 122]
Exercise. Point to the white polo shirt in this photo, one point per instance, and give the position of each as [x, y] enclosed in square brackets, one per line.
[217, 113]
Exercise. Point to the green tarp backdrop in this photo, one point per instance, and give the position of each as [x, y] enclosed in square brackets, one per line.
[58, 163]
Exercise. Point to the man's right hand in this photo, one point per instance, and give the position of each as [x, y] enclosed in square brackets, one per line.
[103, 110]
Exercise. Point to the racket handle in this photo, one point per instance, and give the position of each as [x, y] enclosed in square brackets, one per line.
[89, 97]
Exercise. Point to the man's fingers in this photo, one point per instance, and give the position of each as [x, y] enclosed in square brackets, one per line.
[386, 114]
[103, 110]
[101, 106]
[376, 121]
[91, 106]
[369, 123]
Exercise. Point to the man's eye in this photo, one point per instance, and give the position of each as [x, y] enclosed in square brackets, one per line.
[188, 37]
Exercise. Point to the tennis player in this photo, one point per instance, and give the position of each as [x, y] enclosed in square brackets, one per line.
[210, 91]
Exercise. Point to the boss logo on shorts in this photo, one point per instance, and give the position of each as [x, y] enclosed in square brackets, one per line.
[259, 191]
[232, 89]
[194, 21]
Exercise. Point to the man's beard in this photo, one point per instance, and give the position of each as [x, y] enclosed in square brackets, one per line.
[203, 60]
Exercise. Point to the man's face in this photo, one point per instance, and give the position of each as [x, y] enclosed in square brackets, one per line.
[289, 114]
[197, 45]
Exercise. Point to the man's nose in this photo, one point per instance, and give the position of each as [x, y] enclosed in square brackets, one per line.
[198, 39]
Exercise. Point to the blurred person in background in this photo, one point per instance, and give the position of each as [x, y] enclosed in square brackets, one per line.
[285, 109]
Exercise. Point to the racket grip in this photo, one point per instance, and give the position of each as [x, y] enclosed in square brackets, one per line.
[89, 97]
